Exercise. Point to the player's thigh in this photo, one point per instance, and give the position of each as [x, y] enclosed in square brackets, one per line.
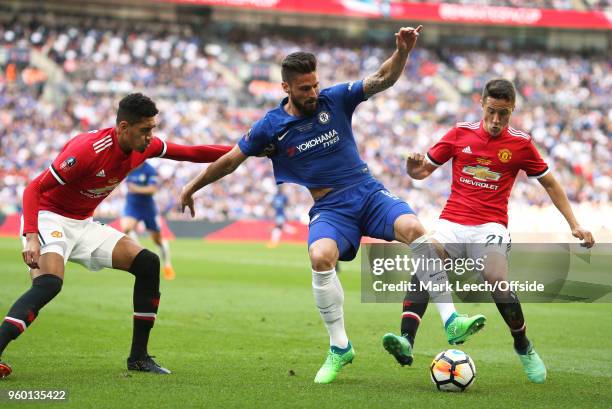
[128, 223]
[96, 245]
[386, 216]
[344, 233]
[124, 252]
[495, 267]
[451, 237]
[49, 263]
[490, 243]
[151, 219]
[56, 235]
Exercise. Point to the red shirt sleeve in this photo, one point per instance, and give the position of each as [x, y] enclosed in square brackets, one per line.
[442, 151]
[31, 199]
[196, 153]
[72, 162]
[532, 162]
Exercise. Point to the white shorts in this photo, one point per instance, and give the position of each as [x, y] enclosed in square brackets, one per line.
[86, 242]
[462, 241]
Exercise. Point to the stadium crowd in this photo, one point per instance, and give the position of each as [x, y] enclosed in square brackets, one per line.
[210, 88]
[582, 5]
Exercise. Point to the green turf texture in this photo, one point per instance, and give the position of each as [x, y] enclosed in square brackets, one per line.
[238, 328]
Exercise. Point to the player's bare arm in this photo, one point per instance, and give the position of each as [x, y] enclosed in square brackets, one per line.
[225, 165]
[390, 71]
[31, 199]
[559, 198]
[417, 166]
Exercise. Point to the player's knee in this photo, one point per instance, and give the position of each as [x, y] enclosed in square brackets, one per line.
[49, 284]
[408, 228]
[322, 258]
[146, 263]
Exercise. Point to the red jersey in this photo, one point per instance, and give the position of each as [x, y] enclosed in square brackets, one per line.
[90, 166]
[484, 171]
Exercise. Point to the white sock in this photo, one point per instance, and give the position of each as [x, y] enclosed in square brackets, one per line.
[446, 310]
[276, 235]
[164, 251]
[329, 298]
[423, 247]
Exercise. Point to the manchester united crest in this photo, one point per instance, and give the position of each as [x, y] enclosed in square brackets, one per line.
[504, 155]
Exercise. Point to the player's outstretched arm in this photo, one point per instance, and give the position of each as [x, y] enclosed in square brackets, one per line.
[390, 71]
[218, 169]
[418, 167]
[195, 153]
[559, 198]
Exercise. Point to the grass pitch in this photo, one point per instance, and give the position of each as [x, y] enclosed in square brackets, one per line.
[238, 328]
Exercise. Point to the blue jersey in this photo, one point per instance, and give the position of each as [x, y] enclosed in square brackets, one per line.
[144, 175]
[278, 203]
[313, 151]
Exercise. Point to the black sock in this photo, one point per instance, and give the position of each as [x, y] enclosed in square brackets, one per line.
[510, 309]
[24, 311]
[145, 268]
[413, 309]
[140, 338]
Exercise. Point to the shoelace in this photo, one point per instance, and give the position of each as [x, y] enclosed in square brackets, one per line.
[149, 358]
[332, 359]
[453, 325]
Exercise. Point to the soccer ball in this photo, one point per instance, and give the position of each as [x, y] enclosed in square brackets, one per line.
[452, 371]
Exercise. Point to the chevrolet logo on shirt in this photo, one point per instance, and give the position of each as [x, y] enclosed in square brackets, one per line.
[481, 173]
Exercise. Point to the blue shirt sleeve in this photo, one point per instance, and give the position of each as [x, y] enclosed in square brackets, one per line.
[152, 180]
[255, 140]
[350, 94]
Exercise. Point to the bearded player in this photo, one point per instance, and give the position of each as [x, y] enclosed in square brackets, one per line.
[315, 147]
[487, 156]
[57, 223]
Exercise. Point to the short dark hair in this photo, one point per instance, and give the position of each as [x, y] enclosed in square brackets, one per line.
[298, 63]
[134, 107]
[499, 88]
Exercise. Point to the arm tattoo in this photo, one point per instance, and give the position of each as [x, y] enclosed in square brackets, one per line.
[375, 83]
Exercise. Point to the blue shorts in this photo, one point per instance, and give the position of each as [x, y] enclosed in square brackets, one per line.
[345, 215]
[148, 214]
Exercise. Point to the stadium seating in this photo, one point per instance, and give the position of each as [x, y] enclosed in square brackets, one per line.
[582, 5]
[210, 90]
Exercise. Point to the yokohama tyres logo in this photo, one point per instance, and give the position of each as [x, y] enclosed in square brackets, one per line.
[327, 139]
[506, 15]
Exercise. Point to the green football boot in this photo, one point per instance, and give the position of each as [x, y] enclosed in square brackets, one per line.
[333, 364]
[399, 347]
[461, 327]
[533, 365]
